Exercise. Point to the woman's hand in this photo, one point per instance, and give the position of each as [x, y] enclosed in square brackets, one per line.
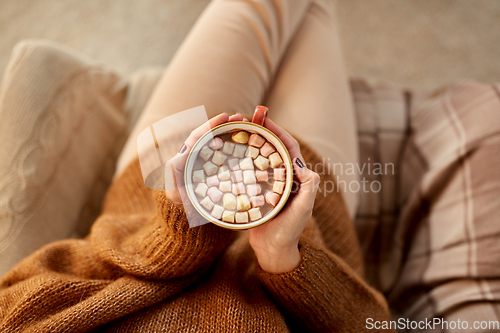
[275, 243]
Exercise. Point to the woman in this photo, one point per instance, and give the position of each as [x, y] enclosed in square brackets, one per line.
[143, 269]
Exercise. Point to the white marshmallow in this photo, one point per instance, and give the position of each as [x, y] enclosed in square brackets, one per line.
[234, 163]
[212, 181]
[238, 188]
[225, 186]
[210, 168]
[252, 152]
[224, 173]
[198, 176]
[253, 190]
[246, 164]
[216, 143]
[214, 194]
[205, 153]
[228, 148]
[217, 212]
[201, 190]
[241, 217]
[249, 177]
[219, 158]
[237, 176]
[239, 150]
[207, 203]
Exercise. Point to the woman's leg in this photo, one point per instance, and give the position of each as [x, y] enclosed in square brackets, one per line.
[311, 97]
[226, 63]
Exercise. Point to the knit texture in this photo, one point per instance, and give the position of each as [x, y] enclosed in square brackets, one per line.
[142, 269]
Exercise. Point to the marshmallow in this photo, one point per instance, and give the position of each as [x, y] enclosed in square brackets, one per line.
[201, 190]
[254, 214]
[237, 176]
[198, 176]
[228, 148]
[217, 212]
[253, 190]
[278, 187]
[256, 140]
[224, 173]
[216, 143]
[241, 217]
[239, 150]
[240, 137]
[238, 188]
[272, 198]
[207, 203]
[279, 173]
[228, 216]
[243, 203]
[249, 177]
[229, 201]
[257, 201]
[275, 160]
[246, 164]
[205, 153]
[262, 176]
[212, 181]
[218, 158]
[210, 168]
[234, 164]
[225, 186]
[261, 163]
[214, 194]
[267, 149]
[252, 152]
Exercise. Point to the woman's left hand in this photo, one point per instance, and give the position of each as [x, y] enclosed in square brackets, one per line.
[275, 243]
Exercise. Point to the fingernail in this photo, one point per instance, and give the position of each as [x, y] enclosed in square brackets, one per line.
[183, 149]
[299, 163]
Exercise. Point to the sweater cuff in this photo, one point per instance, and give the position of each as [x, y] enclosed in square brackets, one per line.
[324, 294]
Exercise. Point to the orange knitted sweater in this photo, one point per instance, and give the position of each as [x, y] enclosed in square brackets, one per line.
[142, 269]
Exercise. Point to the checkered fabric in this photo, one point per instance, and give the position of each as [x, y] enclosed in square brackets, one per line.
[431, 235]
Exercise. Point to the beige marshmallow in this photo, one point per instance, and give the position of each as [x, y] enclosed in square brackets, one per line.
[249, 177]
[275, 160]
[241, 217]
[243, 203]
[240, 137]
[205, 153]
[239, 150]
[228, 148]
[278, 187]
[261, 163]
[254, 214]
[252, 152]
[210, 168]
[224, 173]
[225, 186]
[272, 198]
[229, 201]
[217, 212]
[228, 216]
[279, 174]
[246, 164]
[198, 176]
[207, 203]
[201, 190]
[219, 158]
[216, 143]
[253, 190]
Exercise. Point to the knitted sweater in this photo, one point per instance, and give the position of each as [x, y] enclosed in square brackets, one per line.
[142, 269]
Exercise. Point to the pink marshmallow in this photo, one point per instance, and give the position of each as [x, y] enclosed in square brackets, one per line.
[238, 188]
[256, 140]
[279, 174]
[237, 176]
[262, 176]
[267, 149]
[216, 143]
[272, 198]
[213, 181]
[253, 189]
[257, 201]
[214, 194]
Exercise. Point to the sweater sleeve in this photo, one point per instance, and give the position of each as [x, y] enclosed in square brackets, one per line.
[324, 294]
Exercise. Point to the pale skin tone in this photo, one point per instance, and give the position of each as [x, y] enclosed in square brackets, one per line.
[275, 243]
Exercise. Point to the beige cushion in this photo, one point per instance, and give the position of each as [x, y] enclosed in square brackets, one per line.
[62, 125]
